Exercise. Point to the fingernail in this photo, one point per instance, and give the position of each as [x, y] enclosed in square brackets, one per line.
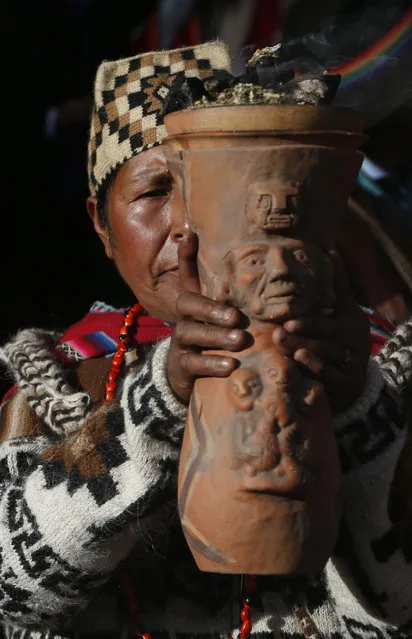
[228, 314]
[225, 364]
[234, 335]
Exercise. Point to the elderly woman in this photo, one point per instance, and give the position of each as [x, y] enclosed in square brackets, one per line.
[89, 537]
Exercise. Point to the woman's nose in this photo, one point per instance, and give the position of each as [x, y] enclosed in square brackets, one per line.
[180, 230]
[180, 221]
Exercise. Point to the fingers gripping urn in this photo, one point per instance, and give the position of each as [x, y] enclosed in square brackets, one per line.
[265, 173]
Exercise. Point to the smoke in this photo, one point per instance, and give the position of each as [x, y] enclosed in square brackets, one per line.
[385, 87]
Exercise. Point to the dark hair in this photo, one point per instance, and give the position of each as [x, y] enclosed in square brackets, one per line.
[101, 198]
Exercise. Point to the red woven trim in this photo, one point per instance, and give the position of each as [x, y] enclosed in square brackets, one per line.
[8, 394]
[149, 329]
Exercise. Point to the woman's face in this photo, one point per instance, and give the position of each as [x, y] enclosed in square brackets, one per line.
[147, 220]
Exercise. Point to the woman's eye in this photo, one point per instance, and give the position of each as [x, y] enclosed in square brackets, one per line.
[153, 193]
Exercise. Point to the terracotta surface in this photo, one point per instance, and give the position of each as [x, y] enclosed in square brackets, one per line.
[213, 139]
[261, 125]
[259, 474]
[268, 118]
[284, 181]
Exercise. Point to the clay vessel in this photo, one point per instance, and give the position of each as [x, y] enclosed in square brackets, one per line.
[265, 188]
[264, 124]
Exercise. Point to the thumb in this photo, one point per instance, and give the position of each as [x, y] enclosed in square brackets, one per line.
[187, 261]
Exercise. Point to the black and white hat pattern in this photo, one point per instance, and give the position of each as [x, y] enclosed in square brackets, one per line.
[129, 96]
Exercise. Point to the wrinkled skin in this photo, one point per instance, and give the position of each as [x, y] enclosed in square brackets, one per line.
[148, 238]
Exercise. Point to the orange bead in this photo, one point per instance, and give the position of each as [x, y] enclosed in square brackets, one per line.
[117, 362]
[245, 630]
[245, 614]
[110, 387]
[115, 369]
[136, 308]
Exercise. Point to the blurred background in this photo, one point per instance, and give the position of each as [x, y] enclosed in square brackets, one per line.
[52, 264]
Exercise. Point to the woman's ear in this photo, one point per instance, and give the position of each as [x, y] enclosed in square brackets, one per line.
[102, 231]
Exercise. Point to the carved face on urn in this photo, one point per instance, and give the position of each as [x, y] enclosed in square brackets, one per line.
[273, 280]
[245, 387]
[274, 206]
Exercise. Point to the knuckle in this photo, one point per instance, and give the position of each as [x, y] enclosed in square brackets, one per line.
[186, 362]
[297, 326]
[208, 334]
[214, 310]
[180, 331]
[218, 366]
[307, 358]
[222, 313]
[218, 337]
[184, 302]
[304, 356]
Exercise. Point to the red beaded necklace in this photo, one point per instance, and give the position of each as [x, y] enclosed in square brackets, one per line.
[126, 341]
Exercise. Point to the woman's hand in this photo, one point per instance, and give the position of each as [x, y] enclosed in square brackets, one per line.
[202, 325]
[334, 349]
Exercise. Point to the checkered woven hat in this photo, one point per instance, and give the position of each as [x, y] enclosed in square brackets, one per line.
[129, 95]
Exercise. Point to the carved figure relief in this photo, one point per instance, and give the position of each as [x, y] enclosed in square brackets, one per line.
[274, 206]
[272, 280]
[261, 441]
[272, 403]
